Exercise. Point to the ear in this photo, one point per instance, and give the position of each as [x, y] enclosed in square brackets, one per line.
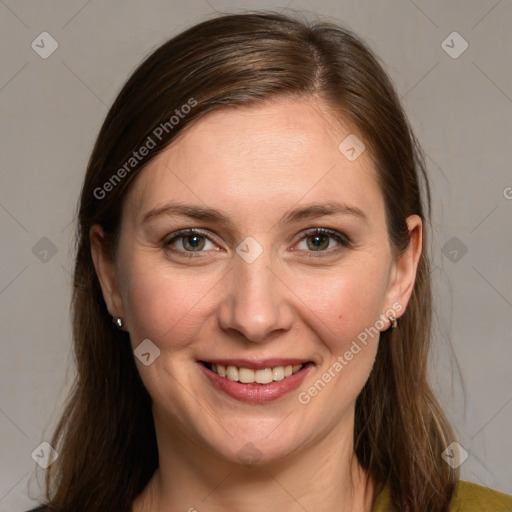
[403, 273]
[106, 272]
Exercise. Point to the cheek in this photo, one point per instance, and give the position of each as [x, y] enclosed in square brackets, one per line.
[343, 314]
[164, 304]
[346, 302]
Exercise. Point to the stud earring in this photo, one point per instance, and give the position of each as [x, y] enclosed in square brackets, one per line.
[393, 322]
[118, 322]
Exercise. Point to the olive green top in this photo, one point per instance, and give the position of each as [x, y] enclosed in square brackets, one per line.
[468, 497]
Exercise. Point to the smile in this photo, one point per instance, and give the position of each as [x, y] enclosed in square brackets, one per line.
[256, 382]
[249, 376]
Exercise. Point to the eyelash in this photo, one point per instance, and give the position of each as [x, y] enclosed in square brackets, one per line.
[339, 237]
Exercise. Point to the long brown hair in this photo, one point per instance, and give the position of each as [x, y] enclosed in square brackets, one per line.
[105, 437]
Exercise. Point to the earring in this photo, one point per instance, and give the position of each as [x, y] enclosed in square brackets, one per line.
[118, 322]
[392, 321]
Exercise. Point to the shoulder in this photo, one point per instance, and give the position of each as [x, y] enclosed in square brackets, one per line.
[471, 497]
[468, 497]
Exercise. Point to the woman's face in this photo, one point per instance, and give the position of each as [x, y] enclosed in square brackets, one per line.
[257, 289]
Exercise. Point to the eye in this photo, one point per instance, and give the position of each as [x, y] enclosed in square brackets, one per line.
[192, 241]
[318, 240]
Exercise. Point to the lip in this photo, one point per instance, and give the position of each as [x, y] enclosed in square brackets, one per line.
[257, 393]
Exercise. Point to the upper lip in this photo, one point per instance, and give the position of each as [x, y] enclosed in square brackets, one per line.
[258, 364]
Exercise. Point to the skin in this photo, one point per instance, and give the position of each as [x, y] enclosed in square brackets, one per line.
[254, 164]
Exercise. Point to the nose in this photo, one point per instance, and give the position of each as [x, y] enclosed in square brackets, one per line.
[257, 302]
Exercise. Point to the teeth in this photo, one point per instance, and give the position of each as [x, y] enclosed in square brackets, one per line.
[278, 373]
[264, 376]
[231, 372]
[261, 376]
[246, 375]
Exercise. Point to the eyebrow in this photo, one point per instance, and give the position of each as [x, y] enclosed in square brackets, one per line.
[203, 213]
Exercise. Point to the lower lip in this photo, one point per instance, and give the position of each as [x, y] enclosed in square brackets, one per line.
[257, 393]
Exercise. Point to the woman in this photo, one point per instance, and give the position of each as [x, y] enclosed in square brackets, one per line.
[252, 221]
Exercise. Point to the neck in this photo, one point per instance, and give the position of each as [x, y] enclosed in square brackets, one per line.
[325, 477]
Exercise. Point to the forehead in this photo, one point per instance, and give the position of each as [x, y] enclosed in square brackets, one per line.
[260, 159]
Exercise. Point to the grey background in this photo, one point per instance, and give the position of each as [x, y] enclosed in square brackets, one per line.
[51, 111]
